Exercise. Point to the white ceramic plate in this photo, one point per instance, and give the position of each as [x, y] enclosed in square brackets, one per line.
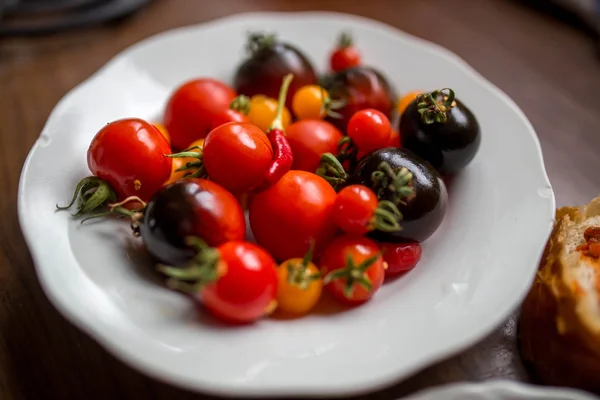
[499, 390]
[474, 270]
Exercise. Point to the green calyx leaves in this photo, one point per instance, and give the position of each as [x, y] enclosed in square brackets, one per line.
[332, 170]
[259, 40]
[298, 274]
[387, 217]
[195, 168]
[397, 181]
[434, 106]
[199, 271]
[353, 274]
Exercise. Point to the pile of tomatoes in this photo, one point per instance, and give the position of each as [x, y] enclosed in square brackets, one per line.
[340, 178]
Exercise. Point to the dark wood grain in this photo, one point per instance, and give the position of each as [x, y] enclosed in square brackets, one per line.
[549, 69]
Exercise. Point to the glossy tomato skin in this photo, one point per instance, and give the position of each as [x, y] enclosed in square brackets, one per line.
[354, 209]
[227, 115]
[263, 71]
[400, 257]
[237, 155]
[344, 58]
[129, 154]
[248, 289]
[285, 217]
[369, 129]
[309, 139]
[190, 207]
[293, 299]
[360, 88]
[191, 108]
[359, 248]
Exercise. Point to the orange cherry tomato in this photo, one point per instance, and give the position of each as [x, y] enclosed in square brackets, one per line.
[405, 100]
[309, 102]
[163, 130]
[262, 112]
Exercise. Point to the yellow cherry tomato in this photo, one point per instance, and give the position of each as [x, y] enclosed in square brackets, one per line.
[309, 102]
[405, 100]
[164, 131]
[262, 112]
[300, 285]
[180, 162]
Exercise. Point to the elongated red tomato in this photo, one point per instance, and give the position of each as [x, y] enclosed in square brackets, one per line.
[353, 268]
[129, 155]
[400, 257]
[191, 108]
[309, 139]
[289, 214]
[237, 155]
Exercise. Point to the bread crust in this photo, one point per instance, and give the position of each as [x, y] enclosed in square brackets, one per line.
[556, 338]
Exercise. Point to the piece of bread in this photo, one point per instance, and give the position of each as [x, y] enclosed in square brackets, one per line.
[559, 326]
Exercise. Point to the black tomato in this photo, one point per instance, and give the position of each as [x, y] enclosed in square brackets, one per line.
[442, 130]
[190, 208]
[359, 88]
[269, 62]
[386, 171]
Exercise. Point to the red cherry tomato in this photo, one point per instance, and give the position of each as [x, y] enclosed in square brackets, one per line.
[400, 257]
[191, 108]
[394, 139]
[345, 55]
[369, 130]
[309, 139]
[354, 209]
[129, 155]
[286, 216]
[353, 268]
[237, 155]
[247, 290]
[228, 115]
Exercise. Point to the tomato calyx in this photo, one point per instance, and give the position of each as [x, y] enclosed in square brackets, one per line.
[329, 106]
[434, 106]
[202, 269]
[398, 181]
[241, 104]
[298, 274]
[386, 217]
[353, 274]
[95, 199]
[195, 169]
[258, 41]
[345, 40]
[332, 170]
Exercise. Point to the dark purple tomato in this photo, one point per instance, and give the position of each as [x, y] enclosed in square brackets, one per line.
[448, 136]
[422, 207]
[190, 207]
[359, 88]
[269, 62]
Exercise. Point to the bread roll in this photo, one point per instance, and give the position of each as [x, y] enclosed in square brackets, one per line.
[559, 326]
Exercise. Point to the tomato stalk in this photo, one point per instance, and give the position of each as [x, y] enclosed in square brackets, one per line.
[241, 104]
[298, 274]
[386, 217]
[353, 274]
[332, 170]
[196, 166]
[282, 151]
[432, 109]
[95, 199]
[398, 181]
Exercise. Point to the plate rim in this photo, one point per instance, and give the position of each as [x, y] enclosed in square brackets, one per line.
[91, 329]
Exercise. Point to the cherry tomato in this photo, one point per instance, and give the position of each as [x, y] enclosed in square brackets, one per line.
[180, 162]
[405, 100]
[353, 267]
[357, 210]
[394, 139]
[238, 281]
[310, 102]
[400, 257]
[129, 155]
[248, 289]
[345, 54]
[191, 108]
[369, 130]
[309, 139]
[190, 207]
[292, 212]
[228, 115]
[237, 155]
[163, 130]
[262, 112]
[300, 285]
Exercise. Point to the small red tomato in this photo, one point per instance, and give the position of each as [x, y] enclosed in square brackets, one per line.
[191, 108]
[394, 139]
[228, 115]
[237, 155]
[309, 139]
[357, 210]
[286, 216]
[129, 155]
[400, 257]
[353, 268]
[369, 129]
[345, 54]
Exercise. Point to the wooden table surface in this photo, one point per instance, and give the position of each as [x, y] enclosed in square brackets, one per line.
[547, 67]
